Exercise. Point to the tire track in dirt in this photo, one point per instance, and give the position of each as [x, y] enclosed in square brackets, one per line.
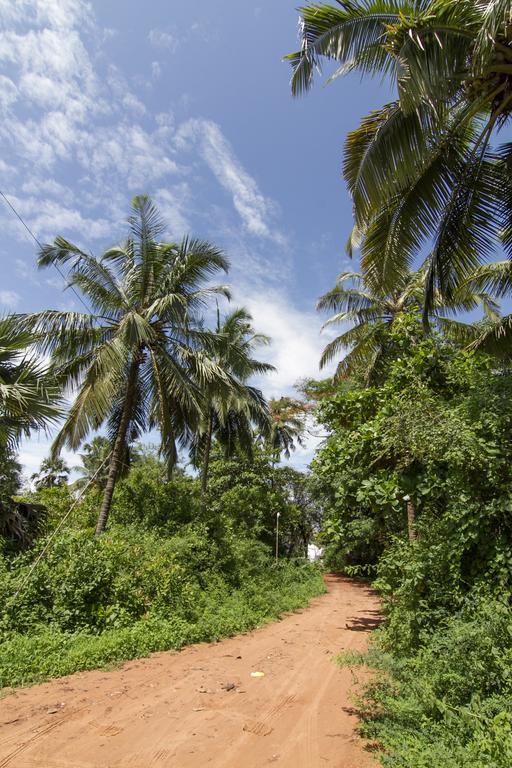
[201, 707]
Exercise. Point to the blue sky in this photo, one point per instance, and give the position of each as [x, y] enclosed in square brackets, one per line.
[189, 102]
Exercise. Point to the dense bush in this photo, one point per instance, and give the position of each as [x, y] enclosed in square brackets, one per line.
[130, 592]
[449, 704]
[436, 432]
[164, 574]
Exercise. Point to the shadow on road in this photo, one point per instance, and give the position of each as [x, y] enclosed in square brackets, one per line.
[367, 623]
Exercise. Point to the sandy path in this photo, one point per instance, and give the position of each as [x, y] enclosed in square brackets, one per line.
[178, 710]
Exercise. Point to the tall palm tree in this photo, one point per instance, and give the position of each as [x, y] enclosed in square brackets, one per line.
[495, 335]
[230, 420]
[29, 397]
[372, 312]
[422, 170]
[29, 400]
[287, 426]
[140, 359]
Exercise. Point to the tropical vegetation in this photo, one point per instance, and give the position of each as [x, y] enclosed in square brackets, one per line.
[180, 554]
[411, 484]
[413, 476]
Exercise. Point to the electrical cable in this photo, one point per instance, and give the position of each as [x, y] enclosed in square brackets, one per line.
[57, 529]
[38, 242]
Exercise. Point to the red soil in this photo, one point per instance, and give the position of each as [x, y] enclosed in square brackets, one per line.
[201, 707]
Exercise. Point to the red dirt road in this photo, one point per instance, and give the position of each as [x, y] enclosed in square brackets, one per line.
[201, 707]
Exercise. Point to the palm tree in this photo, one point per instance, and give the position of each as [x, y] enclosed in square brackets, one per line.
[287, 426]
[53, 473]
[495, 335]
[29, 398]
[421, 170]
[140, 359]
[373, 312]
[93, 469]
[229, 420]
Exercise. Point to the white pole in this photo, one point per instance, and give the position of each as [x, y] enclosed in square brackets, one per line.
[277, 537]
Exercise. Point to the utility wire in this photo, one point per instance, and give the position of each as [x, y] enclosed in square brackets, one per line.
[57, 529]
[38, 242]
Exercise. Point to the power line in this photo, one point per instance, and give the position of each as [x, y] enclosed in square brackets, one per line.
[38, 242]
[59, 526]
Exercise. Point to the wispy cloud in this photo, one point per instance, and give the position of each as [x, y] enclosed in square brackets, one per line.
[79, 140]
[296, 342]
[160, 38]
[257, 212]
[9, 299]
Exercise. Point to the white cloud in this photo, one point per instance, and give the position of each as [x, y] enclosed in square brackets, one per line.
[62, 14]
[9, 299]
[256, 211]
[8, 92]
[49, 218]
[296, 342]
[159, 38]
[156, 70]
[126, 151]
[173, 204]
[37, 448]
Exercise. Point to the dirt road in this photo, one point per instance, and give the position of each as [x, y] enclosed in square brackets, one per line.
[201, 707]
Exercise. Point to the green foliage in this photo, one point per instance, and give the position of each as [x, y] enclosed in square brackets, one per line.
[245, 496]
[19, 522]
[169, 571]
[421, 170]
[450, 703]
[52, 473]
[143, 498]
[29, 396]
[436, 430]
[93, 601]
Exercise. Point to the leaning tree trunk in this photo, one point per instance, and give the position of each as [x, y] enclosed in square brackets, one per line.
[411, 520]
[206, 457]
[119, 446]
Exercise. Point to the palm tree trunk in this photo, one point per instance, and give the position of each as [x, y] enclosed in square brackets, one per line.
[411, 520]
[206, 458]
[119, 445]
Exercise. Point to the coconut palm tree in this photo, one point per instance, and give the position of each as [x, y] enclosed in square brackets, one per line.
[371, 314]
[422, 170]
[230, 420]
[53, 473]
[140, 359]
[493, 336]
[287, 426]
[93, 469]
[29, 398]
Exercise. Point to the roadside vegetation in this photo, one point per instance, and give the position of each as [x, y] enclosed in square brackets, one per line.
[137, 555]
[412, 485]
[415, 476]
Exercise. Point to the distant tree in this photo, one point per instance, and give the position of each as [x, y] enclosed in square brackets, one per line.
[372, 311]
[53, 473]
[287, 426]
[245, 495]
[230, 417]
[94, 463]
[19, 521]
[10, 483]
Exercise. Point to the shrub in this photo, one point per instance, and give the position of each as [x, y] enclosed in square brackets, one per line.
[93, 601]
